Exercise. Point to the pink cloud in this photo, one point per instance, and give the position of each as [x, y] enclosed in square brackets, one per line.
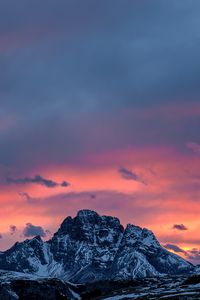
[169, 198]
[195, 147]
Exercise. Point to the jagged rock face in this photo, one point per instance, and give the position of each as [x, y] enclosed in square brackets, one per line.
[90, 247]
[197, 269]
[87, 242]
[26, 256]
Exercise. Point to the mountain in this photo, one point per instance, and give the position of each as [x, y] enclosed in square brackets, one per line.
[91, 248]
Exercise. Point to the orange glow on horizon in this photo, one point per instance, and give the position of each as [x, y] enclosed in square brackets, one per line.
[164, 201]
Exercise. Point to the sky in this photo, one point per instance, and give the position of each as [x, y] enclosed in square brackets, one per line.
[100, 109]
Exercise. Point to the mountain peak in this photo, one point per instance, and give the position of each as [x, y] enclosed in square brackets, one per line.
[86, 213]
[90, 247]
[37, 238]
[140, 236]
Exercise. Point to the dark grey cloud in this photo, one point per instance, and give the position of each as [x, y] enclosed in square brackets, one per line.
[31, 230]
[37, 180]
[130, 175]
[64, 184]
[71, 70]
[180, 227]
[1, 236]
[175, 248]
[144, 52]
[13, 229]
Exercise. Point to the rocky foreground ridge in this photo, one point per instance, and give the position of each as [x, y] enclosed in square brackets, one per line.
[18, 286]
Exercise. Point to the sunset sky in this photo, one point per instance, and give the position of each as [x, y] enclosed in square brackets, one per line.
[100, 109]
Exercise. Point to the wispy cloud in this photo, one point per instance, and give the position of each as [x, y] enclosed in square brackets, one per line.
[173, 247]
[180, 227]
[130, 175]
[37, 180]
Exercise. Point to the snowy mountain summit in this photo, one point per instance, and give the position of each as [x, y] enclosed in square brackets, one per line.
[90, 248]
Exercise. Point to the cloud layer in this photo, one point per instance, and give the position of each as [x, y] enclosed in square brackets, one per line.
[135, 73]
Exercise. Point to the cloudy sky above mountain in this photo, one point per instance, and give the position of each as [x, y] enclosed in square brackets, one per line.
[100, 109]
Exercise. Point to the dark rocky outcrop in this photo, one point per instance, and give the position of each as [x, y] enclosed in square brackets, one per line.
[91, 248]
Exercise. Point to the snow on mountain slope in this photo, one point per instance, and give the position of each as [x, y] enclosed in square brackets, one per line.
[90, 247]
[197, 269]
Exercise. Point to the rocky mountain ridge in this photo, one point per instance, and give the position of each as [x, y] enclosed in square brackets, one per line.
[91, 248]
